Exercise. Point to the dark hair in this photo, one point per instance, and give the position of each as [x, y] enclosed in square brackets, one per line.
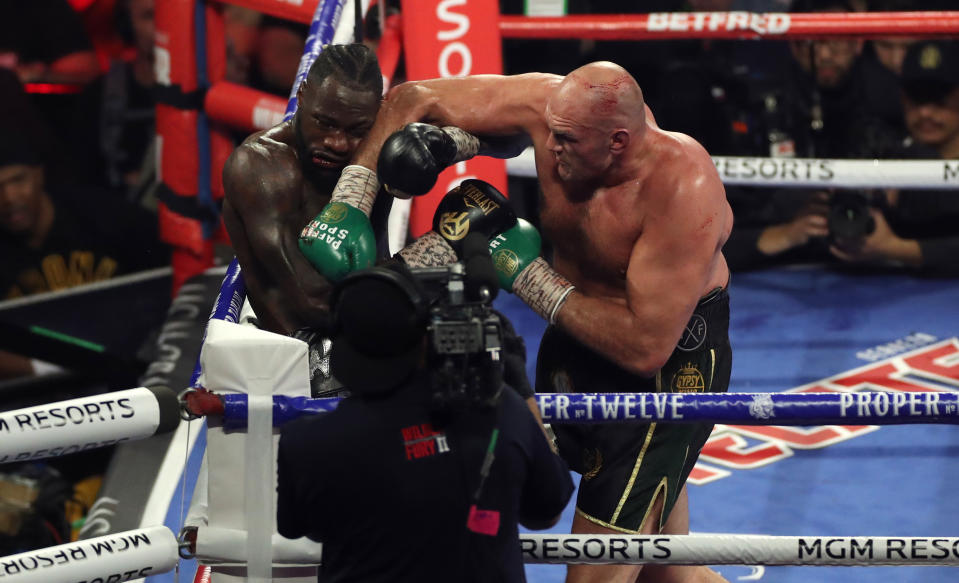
[353, 64]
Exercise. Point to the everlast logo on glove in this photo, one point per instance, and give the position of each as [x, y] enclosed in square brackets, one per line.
[454, 226]
[472, 207]
[474, 197]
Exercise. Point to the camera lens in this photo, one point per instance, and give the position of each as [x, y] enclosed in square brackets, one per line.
[849, 216]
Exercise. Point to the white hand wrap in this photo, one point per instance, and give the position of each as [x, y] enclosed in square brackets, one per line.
[467, 145]
[430, 250]
[542, 289]
[357, 187]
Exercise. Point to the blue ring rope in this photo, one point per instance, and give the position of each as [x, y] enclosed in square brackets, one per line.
[862, 408]
[322, 28]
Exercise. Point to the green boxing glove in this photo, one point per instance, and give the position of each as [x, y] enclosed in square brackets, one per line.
[339, 240]
[521, 270]
[513, 250]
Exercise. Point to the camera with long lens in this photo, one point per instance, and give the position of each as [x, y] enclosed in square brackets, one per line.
[850, 217]
[464, 335]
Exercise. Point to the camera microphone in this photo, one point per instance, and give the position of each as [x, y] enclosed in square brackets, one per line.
[480, 280]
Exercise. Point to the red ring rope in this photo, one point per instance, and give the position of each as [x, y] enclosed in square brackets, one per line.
[731, 25]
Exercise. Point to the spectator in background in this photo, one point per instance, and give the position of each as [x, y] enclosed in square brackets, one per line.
[829, 104]
[893, 229]
[115, 136]
[920, 229]
[822, 108]
[55, 239]
[883, 57]
[44, 42]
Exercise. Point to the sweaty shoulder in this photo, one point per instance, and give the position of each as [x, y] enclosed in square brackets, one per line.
[689, 162]
[259, 161]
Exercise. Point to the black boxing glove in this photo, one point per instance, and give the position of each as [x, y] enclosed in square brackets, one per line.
[474, 206]
[412, 158]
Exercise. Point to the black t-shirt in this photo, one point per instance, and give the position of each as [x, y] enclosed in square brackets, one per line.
[94, 237]
[388, 493]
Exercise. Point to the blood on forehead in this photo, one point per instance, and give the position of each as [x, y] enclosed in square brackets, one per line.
[604, 97]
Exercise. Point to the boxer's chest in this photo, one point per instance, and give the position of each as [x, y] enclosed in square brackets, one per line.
[596, 233]
[312, 203]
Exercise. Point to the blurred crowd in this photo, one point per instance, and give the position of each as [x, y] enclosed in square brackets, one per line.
[76, 79]
[892, 98]
[78, 171]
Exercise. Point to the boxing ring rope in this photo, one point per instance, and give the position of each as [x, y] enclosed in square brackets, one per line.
[844, 408]
[877, 408]
[120, 556]
[689, 549]
[812, 172]
[731, 25]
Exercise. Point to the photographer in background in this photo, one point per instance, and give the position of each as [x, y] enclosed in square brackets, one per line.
[429, 449]
[914, 230]
[830, 103]
[909, 228]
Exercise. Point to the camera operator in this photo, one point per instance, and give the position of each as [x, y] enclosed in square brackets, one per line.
[428, 466]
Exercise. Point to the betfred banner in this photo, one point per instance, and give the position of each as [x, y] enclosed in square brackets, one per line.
[452, 38]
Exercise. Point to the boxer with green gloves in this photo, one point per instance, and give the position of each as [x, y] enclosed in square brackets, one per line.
[340, 239]
[474, 206]
[521, 270]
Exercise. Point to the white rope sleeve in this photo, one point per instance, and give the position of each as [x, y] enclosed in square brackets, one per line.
[812, 172]
[739, 549]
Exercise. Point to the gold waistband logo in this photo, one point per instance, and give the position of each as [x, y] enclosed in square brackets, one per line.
[688, 380]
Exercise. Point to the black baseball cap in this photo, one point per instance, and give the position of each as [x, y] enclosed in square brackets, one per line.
[930, 70]
[379, 328]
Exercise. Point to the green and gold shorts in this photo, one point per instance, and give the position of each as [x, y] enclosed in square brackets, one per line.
[626, 465]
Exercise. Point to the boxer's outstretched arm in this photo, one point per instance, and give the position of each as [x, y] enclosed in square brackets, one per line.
[489, 106]
[286, 292]
[676, 257]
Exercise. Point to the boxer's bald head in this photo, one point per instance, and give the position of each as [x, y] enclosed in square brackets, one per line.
[606, 94]
[596, 114]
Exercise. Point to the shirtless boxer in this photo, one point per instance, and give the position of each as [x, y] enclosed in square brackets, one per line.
[278, 179]
[636, 295]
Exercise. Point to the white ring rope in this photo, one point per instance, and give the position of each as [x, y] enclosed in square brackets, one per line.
[740, 549]
[121, 556]
[812, 172]
[222, 545]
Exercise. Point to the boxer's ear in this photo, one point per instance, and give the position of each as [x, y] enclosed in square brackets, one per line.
[619, 141]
